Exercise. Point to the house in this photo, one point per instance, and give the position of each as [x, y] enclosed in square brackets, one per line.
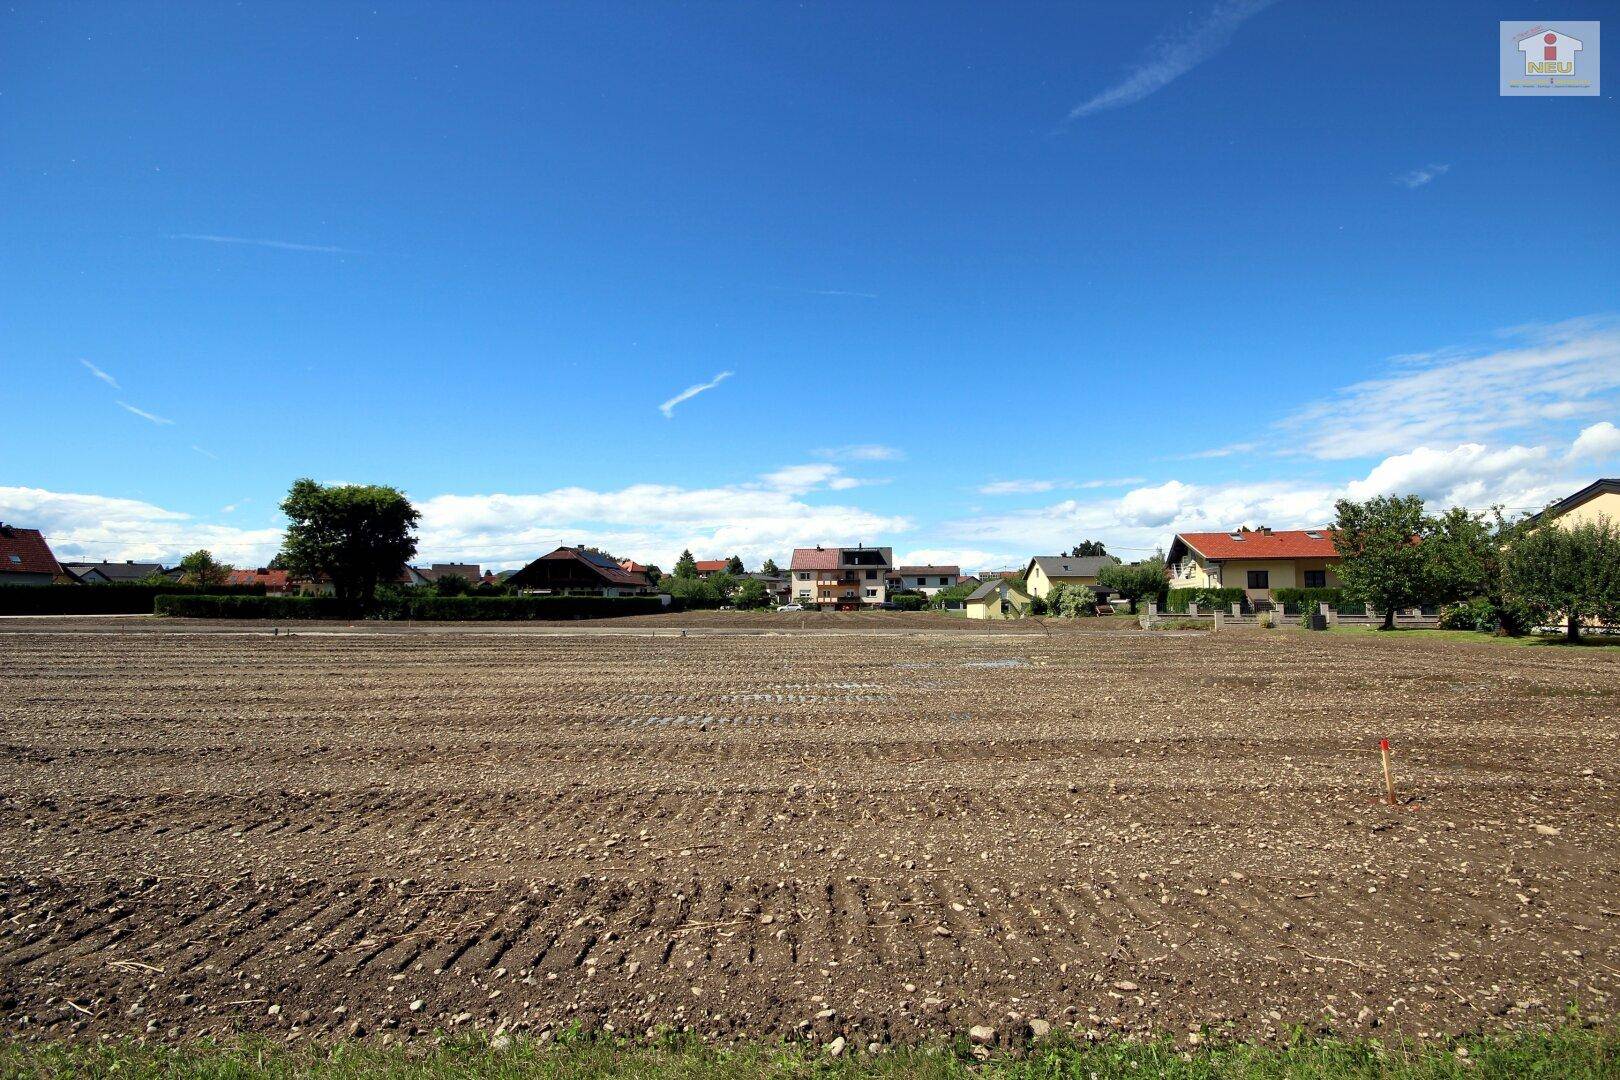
[841, 577]
[708, 567]
[25, 558]
[321, 585]
[997, 598]
[927, 580]
[1599, 499]
[112, 573]
[632, 566]
[578, 570]
[471, 572]
[274, 581]
[780, 586]
[1045, 571]
[1254, 560]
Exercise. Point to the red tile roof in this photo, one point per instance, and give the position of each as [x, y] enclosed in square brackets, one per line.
[815, 559]
[24, 551]
[1261, 545]
[272, 580]
[631, 566]
[710, 566]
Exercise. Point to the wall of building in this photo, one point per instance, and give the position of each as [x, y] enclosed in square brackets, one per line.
[1234, 574]
[1605, 505]
[1039, 584]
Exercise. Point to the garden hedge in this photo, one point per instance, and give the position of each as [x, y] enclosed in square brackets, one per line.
[1207, 599]
[101, 599]
[1293, 600]
[427, 608]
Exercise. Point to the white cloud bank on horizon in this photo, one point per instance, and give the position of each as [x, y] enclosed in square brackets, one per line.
[1173, 55]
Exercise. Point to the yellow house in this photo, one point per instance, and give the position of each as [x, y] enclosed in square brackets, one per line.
[1599, 499]
[997, 598]
[1255, 560]
[1045, 571]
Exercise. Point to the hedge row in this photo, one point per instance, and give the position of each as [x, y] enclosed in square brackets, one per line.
[100, 599]
[1206, 599]
[427, 608]
[1296, 600]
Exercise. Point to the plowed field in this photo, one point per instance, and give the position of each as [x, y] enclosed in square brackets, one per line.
[877, 834]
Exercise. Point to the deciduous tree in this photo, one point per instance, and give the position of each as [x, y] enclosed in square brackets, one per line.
[354, 534]
[1571, 573]
[200, 569]
[1382, 556]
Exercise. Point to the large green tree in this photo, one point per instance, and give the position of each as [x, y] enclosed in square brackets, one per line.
[1570, 572]
[355, 534]
[1466, 557]
[1138, 581]
[1383, 556]
[201, 569]
[734, 566]
[770, 568]
[751, 594]
[1087, 547]
[685, 566]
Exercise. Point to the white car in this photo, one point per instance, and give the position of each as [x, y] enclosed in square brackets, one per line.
[791, 607]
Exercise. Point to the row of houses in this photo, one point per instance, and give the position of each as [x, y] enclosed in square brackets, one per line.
[1258, 561]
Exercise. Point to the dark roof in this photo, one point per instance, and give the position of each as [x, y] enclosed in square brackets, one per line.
[24, 551]
[115, 571]
[915, 570]
[1258, 544]
[605, 568]
[470, 571]
[993, 586]
[1608, 486]
[1062, 566]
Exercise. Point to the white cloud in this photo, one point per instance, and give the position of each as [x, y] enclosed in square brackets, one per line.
[205, 453]
[1173, 55]
[861, 452]
[93, 528]
[143, 414]
[1225, 451]
[1545, 374]
[1418, 177]
[1035, 487]
[668, 407]
[1600, 441]
[1469, 474]
[281, 245]
[102, 375]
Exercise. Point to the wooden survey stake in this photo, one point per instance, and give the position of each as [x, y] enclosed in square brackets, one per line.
[1389, 777]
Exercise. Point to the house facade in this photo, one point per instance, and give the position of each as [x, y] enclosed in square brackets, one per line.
[26, 559]
[1596, 501]
[1258, 561]
[578, 570]
[841, 577]
[927, 580]
[274, 581]
[1046, 571]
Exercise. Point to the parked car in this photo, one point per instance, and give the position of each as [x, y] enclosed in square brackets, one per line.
[791, 607]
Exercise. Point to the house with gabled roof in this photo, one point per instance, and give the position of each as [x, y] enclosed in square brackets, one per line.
[25, 558]
[928, 579]
[1044, 572]
[1257, 561]
[112, 573]
[1599, 499]
[579, 570]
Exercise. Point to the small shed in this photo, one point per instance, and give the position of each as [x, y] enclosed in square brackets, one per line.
[997, 598]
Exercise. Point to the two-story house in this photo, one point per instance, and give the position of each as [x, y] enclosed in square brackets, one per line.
[841, 577]
[927, 580]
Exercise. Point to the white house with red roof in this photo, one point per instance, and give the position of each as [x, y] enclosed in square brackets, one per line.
[1255, 560]
[26, 559]
[841, 577]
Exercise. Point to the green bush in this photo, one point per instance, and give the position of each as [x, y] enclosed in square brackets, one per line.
[102, 599]
[424, 607]
[1469, 615]
[1298, 601]
[909, 600]
[1206, 599]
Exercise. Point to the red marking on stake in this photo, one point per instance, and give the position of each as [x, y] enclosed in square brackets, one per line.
[1383, 744]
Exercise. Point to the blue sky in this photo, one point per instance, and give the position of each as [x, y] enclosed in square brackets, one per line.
[976, 281]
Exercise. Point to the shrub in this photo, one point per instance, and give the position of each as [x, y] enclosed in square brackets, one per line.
[101, 599]
[1206, 599]
[1304, 601]
[1469, 615]
[427, 607]
[693, 592]
[1037, 605]
[909, 600]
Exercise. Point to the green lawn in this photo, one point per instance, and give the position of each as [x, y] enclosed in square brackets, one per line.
[1553, 641]
[1575, 1053]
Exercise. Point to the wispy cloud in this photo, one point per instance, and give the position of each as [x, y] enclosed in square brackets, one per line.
[143, 414]
[862, 452]
[1223, 451]
[102, 375]
[826, 292]
[668, 407]
[1418, 177]
[205, 453]
[280, 245]
[1035, 487]
[1173, 55]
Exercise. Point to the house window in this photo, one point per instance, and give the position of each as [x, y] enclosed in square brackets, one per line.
[944, 581]
[15, 558]
[804, 576]
[871, 575]
[871, 594]
[1316, 579]
[1259, 579]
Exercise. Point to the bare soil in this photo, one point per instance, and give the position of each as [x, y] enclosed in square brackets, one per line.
[884, 827]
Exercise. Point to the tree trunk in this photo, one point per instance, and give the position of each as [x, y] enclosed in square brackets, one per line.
[1133, 605]
[1572, 631]
[1389, 620]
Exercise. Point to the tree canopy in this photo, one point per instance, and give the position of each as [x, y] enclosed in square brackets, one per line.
[770, 567]
[1569, 572]
[1383, 557]
[200, 569]
[685, 566]
[355, 534]
[1133, 582]
[1087, 547]
[734, 566]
